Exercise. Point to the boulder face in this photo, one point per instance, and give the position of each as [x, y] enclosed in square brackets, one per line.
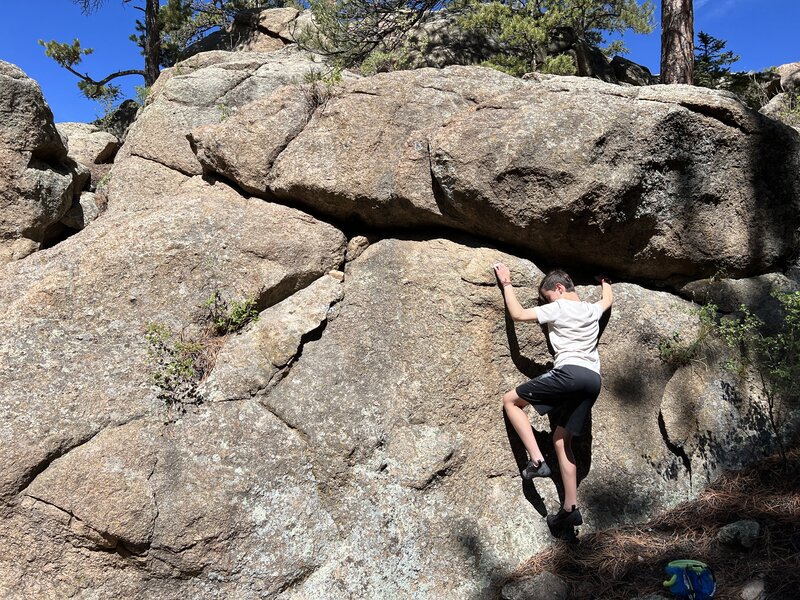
[790, 77]
[255, 30]
[93, 150]
[36, 185]
[87, 144]
[660, 182]
[688, 182]
[339, 174]
[351, 441]
[784, 107]
[206, 89]
[627, 71]
[351, 431]
[82, 212]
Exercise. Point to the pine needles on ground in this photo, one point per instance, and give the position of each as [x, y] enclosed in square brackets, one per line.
[627, 562]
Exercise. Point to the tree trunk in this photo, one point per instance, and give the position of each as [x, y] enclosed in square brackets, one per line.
[152, 43]
[677, 41]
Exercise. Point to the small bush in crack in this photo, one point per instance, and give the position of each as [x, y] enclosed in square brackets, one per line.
[790, 111]
[177, 366]
[229, 317]
[773, 355]
[224, 112]
[320, 87]
[679, 353]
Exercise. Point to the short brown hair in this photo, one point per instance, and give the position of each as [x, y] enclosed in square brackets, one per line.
[553, 278]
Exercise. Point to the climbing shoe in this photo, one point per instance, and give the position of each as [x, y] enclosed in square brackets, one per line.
[563, 519]
[533, 470]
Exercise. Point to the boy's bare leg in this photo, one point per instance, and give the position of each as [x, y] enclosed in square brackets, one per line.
[562, 440]
[513, 406]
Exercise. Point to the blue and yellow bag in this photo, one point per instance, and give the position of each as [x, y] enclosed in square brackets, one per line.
[690, 579]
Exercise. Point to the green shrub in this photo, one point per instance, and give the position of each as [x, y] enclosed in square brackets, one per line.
[177, 366]
[229, 316]
[142, 94]
[711, 62]
[563, 64]
[773, 353]
[224, 112]
[790, 111]
[104, 180]
[320, 86]
[679, 353]
[512, 65]
[380, 61]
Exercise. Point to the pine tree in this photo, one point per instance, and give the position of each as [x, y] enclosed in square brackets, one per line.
[163, 35]
[184, 22]
[69, 56]
[677, 41]
[525, 28]
[711, 64]
[352, 30]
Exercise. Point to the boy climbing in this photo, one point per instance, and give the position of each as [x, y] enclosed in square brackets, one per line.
[569, 389]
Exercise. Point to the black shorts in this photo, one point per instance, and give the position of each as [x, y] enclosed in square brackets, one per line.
[567, 393]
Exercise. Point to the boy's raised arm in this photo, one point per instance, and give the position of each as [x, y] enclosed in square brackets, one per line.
[607, 297]
[515, 309]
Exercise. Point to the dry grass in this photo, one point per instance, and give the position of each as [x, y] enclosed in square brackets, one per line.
[624, 563]
[211, 345]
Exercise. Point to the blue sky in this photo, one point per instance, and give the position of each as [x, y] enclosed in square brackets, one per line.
[762, 32]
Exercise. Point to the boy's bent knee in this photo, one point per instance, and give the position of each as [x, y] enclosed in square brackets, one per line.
[561, 435]
[510, 398]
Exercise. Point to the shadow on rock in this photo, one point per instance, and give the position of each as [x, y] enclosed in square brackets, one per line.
[494, 573]
[524, 365]
[521, 458]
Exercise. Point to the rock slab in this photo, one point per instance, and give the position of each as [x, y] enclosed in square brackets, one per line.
[36, 186]
[659, 182]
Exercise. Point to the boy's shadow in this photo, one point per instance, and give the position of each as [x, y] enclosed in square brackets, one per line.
[581, 445]
[521, 457]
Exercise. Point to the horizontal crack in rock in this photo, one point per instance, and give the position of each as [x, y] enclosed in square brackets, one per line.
[63, 451]
[365, 93]
[719, 114]
[163, 164]
[115, 544]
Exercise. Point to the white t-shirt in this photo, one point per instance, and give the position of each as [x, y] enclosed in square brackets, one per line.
[573, 328]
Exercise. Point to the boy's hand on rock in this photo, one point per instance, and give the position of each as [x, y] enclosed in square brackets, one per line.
[503, 273]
